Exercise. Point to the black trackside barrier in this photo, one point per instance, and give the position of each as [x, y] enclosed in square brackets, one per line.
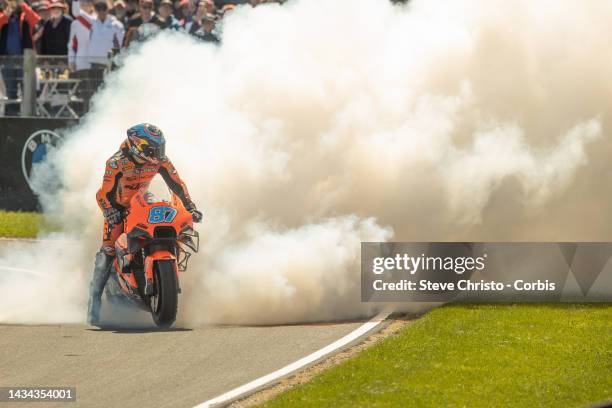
[24, 142]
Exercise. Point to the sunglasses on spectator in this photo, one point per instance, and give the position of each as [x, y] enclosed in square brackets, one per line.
[147, 6]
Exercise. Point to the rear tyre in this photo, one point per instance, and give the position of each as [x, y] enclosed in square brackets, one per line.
[164, 302]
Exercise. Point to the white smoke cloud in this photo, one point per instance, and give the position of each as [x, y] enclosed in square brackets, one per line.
[320, 124]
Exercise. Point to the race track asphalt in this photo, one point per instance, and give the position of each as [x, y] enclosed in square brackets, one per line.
[149, 368]
[145, 367]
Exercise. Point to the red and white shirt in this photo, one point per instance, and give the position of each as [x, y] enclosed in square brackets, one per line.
[80, 34]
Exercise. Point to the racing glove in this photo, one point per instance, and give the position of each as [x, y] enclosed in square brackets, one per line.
[113, 216]
[195, 214]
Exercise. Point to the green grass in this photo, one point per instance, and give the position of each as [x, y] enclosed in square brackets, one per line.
[476, 356]
[20, 224]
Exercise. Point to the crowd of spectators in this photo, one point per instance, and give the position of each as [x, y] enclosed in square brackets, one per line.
[85, 33]
[87, 30]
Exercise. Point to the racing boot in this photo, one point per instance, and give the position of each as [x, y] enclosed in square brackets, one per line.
[98, 281]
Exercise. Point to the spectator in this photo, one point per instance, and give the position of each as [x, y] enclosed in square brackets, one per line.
[254, 3]
[226, 9]
[78, 57]
[203, 25]
[83, 7]
[186, 9]
[198, 13]
[145, 15]
[80, 33]
[131, 8]
[42, 8]
[120, 12]
[17, 22]
[209, 5]
[203, 7]
[106, 34]
[166, 16]
[56, 31]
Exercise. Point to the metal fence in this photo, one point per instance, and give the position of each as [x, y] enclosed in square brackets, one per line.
[46, 86]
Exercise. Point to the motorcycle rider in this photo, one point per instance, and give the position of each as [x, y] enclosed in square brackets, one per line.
[140, 157]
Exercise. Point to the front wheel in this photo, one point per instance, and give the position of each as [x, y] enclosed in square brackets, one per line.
[164, 302]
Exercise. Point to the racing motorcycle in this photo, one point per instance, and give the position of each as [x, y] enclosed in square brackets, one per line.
[151, 254]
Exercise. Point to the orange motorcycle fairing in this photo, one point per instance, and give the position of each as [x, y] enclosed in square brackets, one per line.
[150, 253]
[127, 281]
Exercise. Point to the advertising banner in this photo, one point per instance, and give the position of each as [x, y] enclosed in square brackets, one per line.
[24, 142]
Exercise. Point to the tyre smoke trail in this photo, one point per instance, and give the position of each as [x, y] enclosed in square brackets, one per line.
[320, 124]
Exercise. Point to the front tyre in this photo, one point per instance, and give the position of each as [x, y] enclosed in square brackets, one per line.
[164, 302]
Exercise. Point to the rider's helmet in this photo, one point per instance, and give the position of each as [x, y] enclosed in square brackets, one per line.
[146, 142]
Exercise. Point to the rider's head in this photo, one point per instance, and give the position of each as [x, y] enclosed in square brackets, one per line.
[146, 143]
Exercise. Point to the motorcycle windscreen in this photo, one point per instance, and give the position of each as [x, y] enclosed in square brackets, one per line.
[158, 191]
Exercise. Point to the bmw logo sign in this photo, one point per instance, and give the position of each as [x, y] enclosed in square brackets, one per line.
[35, 150]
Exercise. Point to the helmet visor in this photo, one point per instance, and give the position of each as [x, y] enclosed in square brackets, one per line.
[155, 152]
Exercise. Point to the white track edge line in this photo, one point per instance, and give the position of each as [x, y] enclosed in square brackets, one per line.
[24, 270]
[296, 365]
[37, 240]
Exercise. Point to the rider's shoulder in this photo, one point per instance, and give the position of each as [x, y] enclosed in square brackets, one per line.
[116, 160]
[167, 164]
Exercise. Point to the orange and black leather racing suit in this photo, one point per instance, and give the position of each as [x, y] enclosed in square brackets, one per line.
[123, 178]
